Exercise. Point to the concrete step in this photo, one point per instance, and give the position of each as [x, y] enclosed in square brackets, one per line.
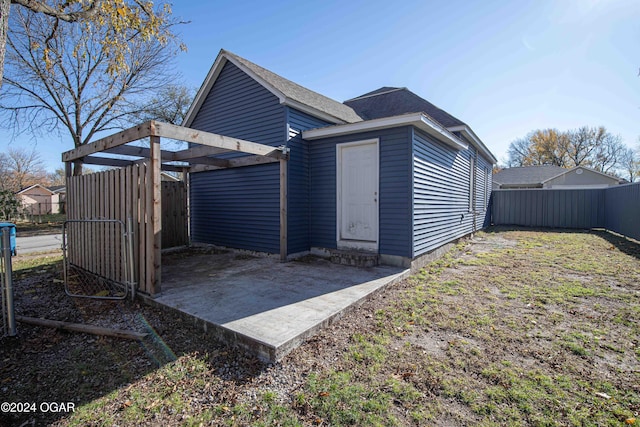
[354, 258]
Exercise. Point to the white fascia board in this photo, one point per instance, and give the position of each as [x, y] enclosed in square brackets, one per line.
[311, 111]
[478, 143]
[418, 120]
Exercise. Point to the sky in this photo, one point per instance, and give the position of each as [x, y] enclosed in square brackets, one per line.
[504, 68]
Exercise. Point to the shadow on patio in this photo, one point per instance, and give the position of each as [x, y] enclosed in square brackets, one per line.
[260, 303]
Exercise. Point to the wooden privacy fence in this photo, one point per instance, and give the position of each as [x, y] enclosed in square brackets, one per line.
[114, 194]
[613, 208]
[175, 230]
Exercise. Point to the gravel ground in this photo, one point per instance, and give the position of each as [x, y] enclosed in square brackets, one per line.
[49, 365]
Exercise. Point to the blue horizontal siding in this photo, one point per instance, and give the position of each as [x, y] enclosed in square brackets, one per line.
[299, 214]
[238, 208]
[239, 107]
[441, 194]
[395, 190]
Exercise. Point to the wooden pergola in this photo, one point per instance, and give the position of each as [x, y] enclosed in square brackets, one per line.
[202, 154]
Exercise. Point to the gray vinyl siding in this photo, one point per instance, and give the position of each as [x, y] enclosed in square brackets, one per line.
[622, 209]
[395, 190]
[484, 170]
[299, 214]
[549, 208]
[614, 208]
[239, 207]
[441, 194]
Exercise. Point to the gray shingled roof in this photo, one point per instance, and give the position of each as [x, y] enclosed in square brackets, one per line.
[298, 93]
[394, 101]
[527, 175]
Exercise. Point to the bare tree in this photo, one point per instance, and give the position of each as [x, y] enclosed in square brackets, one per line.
[630, 164]
[170, 105]
[582, 144]
[587, 146]
[608, 154]
[58, 177]
[122, 19]
[20, 168]
[74, 91]
[518, 151]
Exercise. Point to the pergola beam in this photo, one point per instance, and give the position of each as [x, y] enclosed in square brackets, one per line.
[115, 140]
[106, 161]
[213, 140]
[197, 151]
[128, 150]
[235, 163]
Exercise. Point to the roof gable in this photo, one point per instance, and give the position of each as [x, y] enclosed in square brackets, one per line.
[527, 175]
[588, 171]
[42, 188]
[288, 92]
[394, 101]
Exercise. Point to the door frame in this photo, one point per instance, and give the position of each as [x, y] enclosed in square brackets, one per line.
[357, 244]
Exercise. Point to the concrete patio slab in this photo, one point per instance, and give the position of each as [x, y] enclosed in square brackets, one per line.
[261, 304]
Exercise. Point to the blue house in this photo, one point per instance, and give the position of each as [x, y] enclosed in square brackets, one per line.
[386, 173]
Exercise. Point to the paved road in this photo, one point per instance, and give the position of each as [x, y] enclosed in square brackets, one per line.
[42, 243]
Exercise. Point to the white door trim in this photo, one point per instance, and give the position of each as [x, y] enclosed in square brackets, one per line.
[367, 245]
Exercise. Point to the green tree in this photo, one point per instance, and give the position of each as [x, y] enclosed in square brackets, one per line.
[9, 205]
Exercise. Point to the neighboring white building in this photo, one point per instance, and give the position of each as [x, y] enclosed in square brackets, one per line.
[548, 176]
[39, 200]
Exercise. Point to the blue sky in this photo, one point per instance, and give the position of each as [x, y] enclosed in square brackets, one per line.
[503, 67]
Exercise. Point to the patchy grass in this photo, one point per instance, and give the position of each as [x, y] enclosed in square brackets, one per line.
[516, 327]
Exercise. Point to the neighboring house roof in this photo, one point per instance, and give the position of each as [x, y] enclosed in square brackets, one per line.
[394, 101]
[164, 176]
[31, 187]
[527, 175]
[536, 176]
[58, 189]
[288, 92]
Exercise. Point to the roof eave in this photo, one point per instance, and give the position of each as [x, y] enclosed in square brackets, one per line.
[418, 120]
[312, 111]
[477, 142]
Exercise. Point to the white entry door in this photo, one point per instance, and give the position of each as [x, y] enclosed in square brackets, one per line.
[357, 195]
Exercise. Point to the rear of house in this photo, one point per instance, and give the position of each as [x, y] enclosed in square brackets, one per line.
[386, 173]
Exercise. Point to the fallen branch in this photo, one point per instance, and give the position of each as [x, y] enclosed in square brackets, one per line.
[80, 327]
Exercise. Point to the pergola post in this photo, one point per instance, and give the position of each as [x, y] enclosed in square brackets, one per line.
[154, 217]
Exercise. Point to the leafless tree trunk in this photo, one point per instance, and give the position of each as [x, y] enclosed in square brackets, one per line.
[5, 7]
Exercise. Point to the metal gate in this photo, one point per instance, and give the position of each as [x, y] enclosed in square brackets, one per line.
[99, 262]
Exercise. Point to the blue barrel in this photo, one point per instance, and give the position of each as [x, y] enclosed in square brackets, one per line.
[12, 227]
